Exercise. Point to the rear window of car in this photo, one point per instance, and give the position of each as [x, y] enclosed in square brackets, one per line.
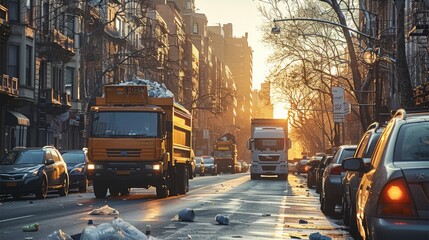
[73, 157]
[346, 153]
[412, 143]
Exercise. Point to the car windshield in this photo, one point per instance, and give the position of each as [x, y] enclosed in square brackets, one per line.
[412, 143]
[119, 124]
[198, 160]
[269, 144]
[24, 157]
[74, 157]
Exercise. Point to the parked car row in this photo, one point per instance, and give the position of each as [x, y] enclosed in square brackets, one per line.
[37, 170]
[381, 185]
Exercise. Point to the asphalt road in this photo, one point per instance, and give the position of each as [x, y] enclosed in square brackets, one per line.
[257, 209]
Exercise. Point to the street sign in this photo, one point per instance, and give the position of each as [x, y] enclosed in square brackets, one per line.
[338, 103]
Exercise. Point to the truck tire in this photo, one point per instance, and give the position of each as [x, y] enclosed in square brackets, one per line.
[183, 179]
[161, 191]
[125, 191]
[100, 189]
[114, 191]
[173, 182]
[254, 176]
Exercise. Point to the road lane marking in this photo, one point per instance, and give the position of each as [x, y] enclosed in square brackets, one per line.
[11, 219]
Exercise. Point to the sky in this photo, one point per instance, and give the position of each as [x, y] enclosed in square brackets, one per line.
[245, 17]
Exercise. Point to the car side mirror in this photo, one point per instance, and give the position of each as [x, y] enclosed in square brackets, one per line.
[50, 161]
[353, 164]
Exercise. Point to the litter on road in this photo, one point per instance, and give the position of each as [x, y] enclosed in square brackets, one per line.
[104, 210]
[187, 215]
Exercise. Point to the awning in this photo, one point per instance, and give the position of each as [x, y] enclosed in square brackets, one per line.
[16, 118]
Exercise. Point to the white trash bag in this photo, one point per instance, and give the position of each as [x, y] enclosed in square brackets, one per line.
[117, 230]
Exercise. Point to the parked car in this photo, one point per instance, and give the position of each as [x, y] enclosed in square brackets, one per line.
[210, 165]
[331, 191]
[319, 170]
[244, 166]
[76, 160]
[311, 170]
[33, 170]
[193, 170]
[392, 201]
[200, 168]
[351, 180]
[292, 167]
[301, 165]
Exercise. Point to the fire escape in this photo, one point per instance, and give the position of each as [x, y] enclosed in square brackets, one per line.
[420, 31]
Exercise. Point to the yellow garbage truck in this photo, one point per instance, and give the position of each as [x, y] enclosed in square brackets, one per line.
[137, 141]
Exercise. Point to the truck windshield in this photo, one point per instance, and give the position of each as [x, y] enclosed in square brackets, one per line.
[125, 124]
[269, 144]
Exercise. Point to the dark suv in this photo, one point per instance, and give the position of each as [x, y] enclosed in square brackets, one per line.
[351, 180]
[392, 200]
[33, 170]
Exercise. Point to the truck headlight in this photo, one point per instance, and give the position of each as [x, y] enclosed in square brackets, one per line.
[90, 166]
[156, 167]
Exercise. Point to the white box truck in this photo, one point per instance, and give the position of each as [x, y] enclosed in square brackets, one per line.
[269, 146]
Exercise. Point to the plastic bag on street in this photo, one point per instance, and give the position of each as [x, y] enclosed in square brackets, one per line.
[59, 235]
[129, 230]
[187, 215]
[104, 210]
[221, 219]
[118, 229]
[318, 236]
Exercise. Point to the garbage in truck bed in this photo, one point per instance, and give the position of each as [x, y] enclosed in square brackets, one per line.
[155, 90]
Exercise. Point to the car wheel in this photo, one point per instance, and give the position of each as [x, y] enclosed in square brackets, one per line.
[100, 189]
[42, 193]
[64, 190]
[353, 224]
[345, 212]
[84, 187]
[328, 206]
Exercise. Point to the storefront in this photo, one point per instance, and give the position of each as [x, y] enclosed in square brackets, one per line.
[16, 129]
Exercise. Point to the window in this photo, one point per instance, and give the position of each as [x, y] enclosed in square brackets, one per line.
[28, 66]
[195, 28]
[69, 27]
[29, 15]
[14, 12]
[189, 5]
[69, 81]
[13, 65]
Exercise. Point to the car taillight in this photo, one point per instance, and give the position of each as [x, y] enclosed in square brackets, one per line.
[336, 170]
[306, 168]
[395, 200]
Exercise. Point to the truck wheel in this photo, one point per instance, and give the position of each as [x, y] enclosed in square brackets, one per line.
[183, 178]
[114, 191]
[254, 176]
[125, 191]
[161, 191]
[100, 189]
[173, 182]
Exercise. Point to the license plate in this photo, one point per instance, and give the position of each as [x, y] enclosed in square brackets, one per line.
[10, 184]
[123, 172]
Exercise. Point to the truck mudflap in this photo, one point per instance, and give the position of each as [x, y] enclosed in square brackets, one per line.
[133, 174]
